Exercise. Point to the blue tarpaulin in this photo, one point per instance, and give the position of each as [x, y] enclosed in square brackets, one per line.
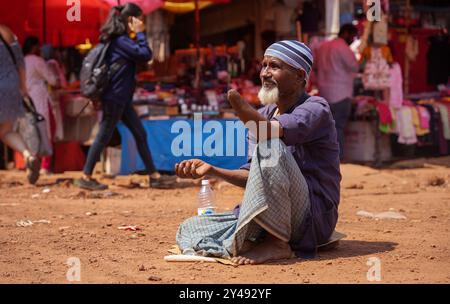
[219, 142]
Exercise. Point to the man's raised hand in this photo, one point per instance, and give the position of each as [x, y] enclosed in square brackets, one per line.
[192, 168]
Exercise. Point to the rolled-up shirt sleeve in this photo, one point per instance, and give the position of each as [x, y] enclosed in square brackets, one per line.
[304, 123]
[247, 165]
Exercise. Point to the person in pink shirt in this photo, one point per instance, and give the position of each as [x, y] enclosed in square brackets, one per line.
[39, 76]
[336, 68]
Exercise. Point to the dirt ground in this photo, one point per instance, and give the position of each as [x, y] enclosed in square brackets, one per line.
[85, 225]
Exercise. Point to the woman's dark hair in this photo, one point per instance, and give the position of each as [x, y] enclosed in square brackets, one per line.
[117, 21]
[30, 42]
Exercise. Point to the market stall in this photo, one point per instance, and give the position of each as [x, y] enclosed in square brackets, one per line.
[224, 145]
[401, 102]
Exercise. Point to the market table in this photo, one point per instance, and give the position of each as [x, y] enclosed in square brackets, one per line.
[161, 135]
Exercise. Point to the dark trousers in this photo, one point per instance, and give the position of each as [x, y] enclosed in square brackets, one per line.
[112, 114]
[341, 113]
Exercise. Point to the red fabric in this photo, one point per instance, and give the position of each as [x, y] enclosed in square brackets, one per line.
[149, 6]
[146, 5]
[417, 68]
[25, 17]
[384, 113]
[68, 157]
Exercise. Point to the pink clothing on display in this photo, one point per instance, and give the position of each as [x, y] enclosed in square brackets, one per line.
[38, 75]
[424, 116]
[396, 86]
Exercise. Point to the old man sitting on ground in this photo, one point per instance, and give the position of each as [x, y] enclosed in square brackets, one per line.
[291, 180]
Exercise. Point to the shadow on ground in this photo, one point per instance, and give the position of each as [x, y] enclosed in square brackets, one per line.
[347, 249]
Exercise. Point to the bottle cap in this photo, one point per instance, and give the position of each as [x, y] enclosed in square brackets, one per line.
[205, 182]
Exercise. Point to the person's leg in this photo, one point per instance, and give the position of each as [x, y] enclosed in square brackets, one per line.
[12, 139]
[111, 116]
[16, 142]
[133, 123]
[112, 113]
[276, 199]
[341, 113]
[47, 161]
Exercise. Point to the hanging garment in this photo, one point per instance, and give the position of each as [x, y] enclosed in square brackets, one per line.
[387, 124]
[376, 71]
[443, 110]
[424, 116]
[386, 53]
[384, 113]
[416, 122]
[396, 86]
[434, 125]
[443, 147]
[411, 48]
[405, 127]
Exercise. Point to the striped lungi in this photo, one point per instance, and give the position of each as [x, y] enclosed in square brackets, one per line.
[276, 201]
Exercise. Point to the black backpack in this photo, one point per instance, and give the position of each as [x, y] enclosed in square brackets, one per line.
[95, 72]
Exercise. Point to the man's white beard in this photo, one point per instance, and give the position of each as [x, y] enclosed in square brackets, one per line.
[268, 96]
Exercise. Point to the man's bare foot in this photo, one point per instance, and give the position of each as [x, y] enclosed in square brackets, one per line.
[271, 248]
[247, 246]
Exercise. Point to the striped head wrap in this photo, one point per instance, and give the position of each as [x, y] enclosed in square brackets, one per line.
[292, 52]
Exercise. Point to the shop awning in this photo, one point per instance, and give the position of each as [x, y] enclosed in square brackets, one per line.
[47, 19]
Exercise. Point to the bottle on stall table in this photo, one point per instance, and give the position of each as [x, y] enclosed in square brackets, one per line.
[206, 199]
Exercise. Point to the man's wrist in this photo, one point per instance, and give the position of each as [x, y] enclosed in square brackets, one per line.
[212, 171]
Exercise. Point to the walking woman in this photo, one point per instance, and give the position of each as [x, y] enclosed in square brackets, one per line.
[12, 90]
[124, 29]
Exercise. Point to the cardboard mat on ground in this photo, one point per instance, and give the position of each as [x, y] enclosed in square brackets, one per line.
[177, 256]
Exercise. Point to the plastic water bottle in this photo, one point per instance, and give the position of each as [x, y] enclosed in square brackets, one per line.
[206, 200]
